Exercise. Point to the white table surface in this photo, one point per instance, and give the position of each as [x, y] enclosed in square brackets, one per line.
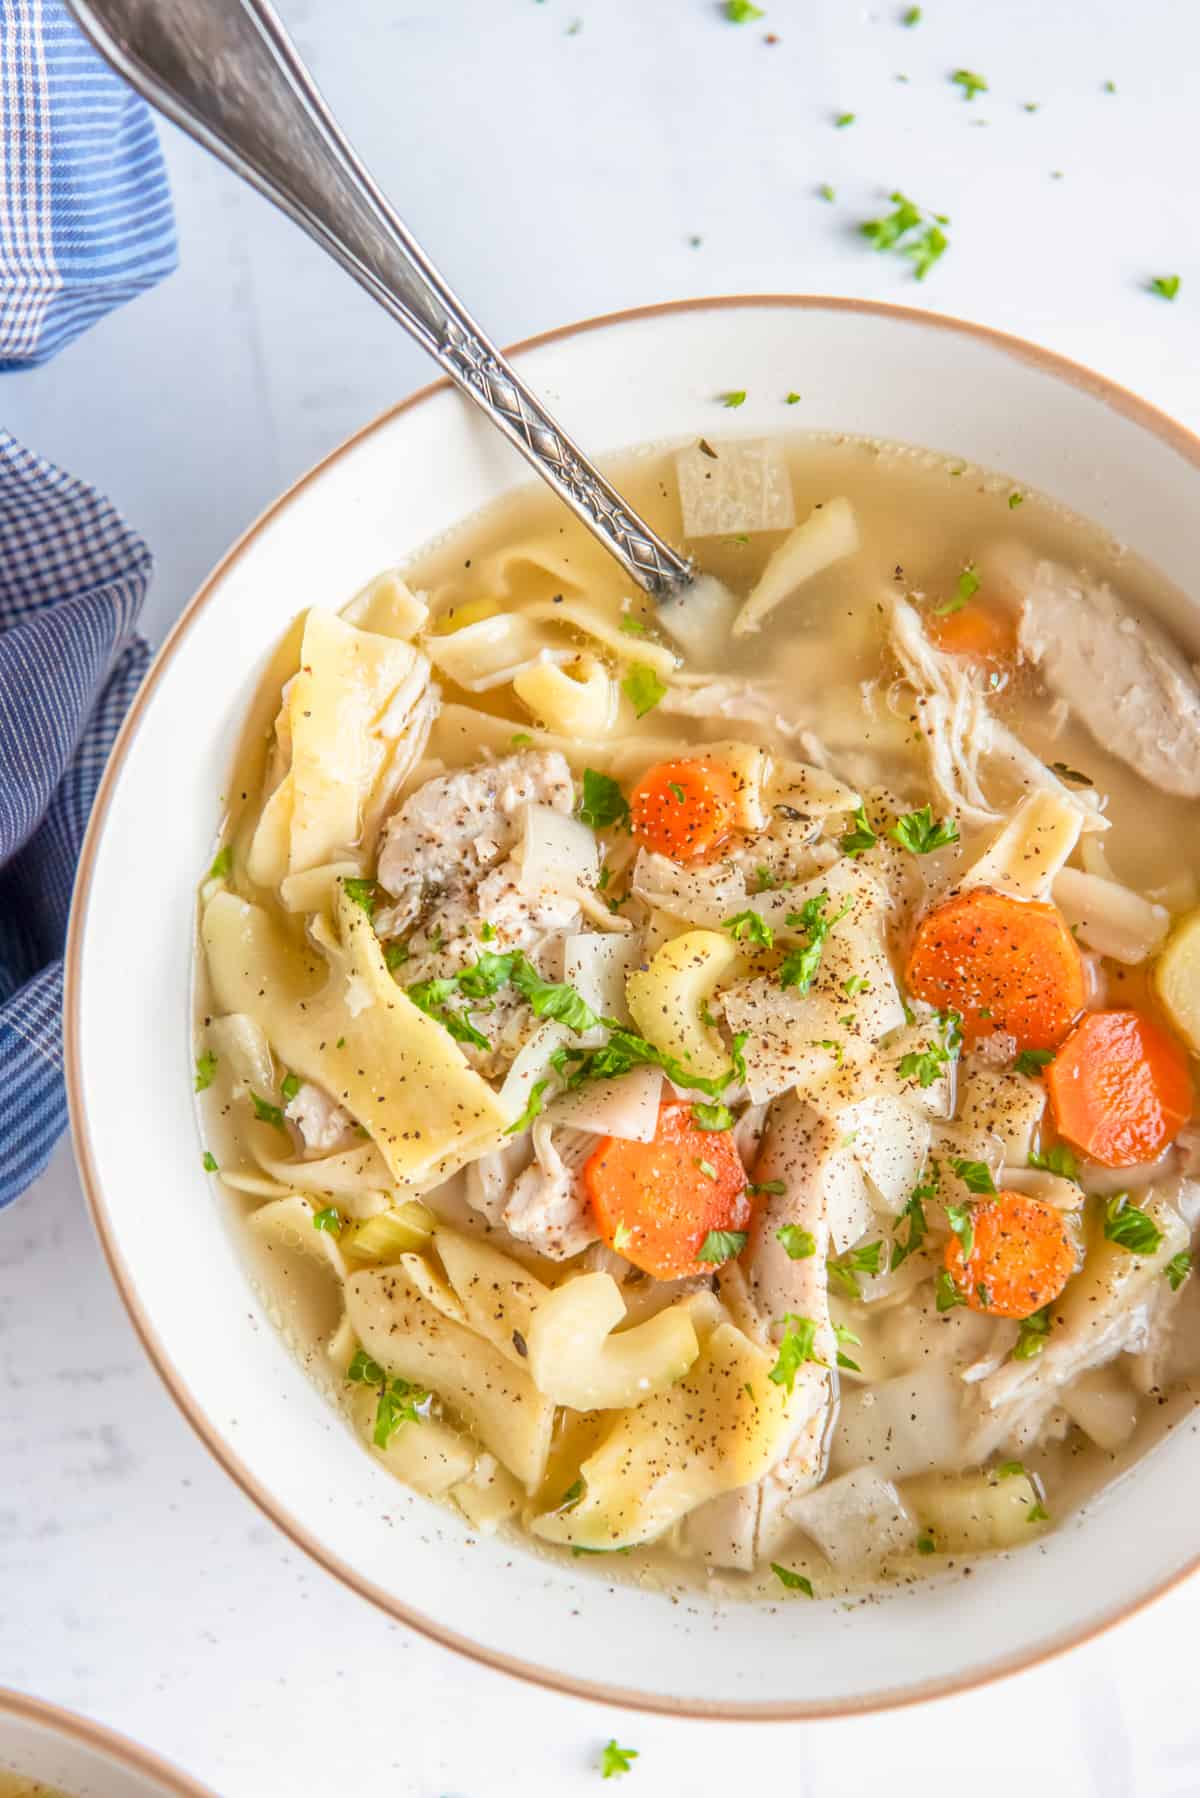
[554, 174]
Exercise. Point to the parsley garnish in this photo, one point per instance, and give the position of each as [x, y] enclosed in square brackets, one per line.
[222, 863]
[750, 927]
[1058, 1160]
[1129, 1226]
[970, 83]
[961, 1220]
[844, 1270]
[210, 1167]
[363, 893]
[795, 1348]
[395, 955]
[1037, 1513]
[1032, 1061]
[798, 1244]
[1165, 286]
[268, 1114]
[642, 688]
[925, 1065]
[712, 1117]
[289, 1086]
[1031, 1338]
[398, 1404]
[764, 880]
[843, 119]
[736, 398]
[1071, 775]
[918, 1226]
[521, 739]
[330, 1219]
[625, 1050]
[976, 1176]
[1015, 499]
[1177, 1269]
[533, 1108]
[615, 1761]
[706, 1168]
[1010, 1470]
[486, 975]
[795, 1582]
[720, 1246]
[602, 802]
[861, 838]
[622, 1237]
[846, 1335]
[741, 12]
[799, 966]
[855, 984]
[910, 232]
[912, 16]
[917, 832]
[206, 1067]
[775, 1187]
[363, 1371]
[632, 625]
[966, 589]
[926, 1545]
[948, 1295]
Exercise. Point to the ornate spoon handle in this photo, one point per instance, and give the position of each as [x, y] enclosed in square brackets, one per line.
[227, 73]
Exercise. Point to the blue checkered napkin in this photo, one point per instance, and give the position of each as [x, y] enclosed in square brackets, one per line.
[72, 580]
[85, 222]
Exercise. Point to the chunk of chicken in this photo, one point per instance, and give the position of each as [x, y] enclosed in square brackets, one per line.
[322, 1122]
[457, 826]
[547, 1206]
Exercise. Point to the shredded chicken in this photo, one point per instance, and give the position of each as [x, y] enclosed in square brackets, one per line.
[322, 1122]
[547, 1207]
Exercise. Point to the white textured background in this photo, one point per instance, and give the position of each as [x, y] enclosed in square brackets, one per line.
[555, 174]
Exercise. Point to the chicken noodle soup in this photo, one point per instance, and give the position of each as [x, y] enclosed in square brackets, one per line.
[713, 1084]
[17, 1785]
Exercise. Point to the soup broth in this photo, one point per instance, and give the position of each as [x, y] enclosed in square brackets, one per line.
[712, 1088]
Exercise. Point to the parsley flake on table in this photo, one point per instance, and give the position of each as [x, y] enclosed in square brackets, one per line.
[843, 119]
[742, 12]
[1165, 286]
[970, 82]
[826, 193]
[643, 688]
[911, 232]
[720, 1246]
[614, 1760]
[735, 398]
[795, 1582]
[912, 16]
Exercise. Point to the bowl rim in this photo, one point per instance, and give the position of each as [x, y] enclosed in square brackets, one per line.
[85, 1731]
[1151, 418]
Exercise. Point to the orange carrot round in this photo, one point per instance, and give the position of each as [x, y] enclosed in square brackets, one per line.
[1121, 1088]
[981, 631]
[685, 809]
[1020, 1260]
[655, 1202]
[1003, 963]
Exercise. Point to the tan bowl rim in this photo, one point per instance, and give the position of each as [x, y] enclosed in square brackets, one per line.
[1075, 374]
[89, 1734]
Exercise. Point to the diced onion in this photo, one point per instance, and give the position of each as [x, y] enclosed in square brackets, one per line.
[626, 1107]
[556, 852]
[829, 534]
[742, 487]
[598, 967]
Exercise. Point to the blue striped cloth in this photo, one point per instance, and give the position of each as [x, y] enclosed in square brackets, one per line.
[85, 222]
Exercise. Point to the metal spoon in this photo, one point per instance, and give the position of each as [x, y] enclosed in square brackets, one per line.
[226, 72]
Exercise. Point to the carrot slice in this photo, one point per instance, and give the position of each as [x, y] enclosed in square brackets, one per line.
[1004, 963]
[1121, 1088]
[978, 630]
[685, 809]
[1021, 1257]
[655, 1202]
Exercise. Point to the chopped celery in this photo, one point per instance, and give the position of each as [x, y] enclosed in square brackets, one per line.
[390, 1234]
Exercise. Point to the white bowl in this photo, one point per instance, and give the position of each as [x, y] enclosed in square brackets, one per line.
[64, 1751]
[637, 378]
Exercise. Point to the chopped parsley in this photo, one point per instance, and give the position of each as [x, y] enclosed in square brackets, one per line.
[846, 1336]
[643, 688]
[268, 1114]
[910, 232]
[329, 1219]
[632, 625]
[363, 1371]
[843, 119]
[741, 12]
[917, 1225]
[533, 1108]
[222, 863]
[625, 1049]
[843, 1270]
[1031, 1337]
[1177, 1269]
[926, 1065]
[363, 893]
[521, 739]
[209, 1164]
[764, 880]
[395, 955]
[1165, 286]
[614, 1760]
[926, 1545]
[976, 1176]
[399, 1403]
[798, 1244]
[484, 977]
[712, 1117]
[795, 1348]
[1037, 1513]
[912, 16]
[720, 1246]
[622, 1237]
[289, 1086]
[948, 1295]
[487, 932]
[970, 83]
[550, 998]
[736, 398]
[1071, 775]
[206, 1067]
[706, 1168]
[855, 984]
[918, 833]
[1010, 1470]
[602, 802]
[750, 927]
[860, 838]
[967, 587]
[793, 399]
[1057, 1160]
[961, 1220]
[1129, 1226]
[1015, 499]
[799, 966]
[795, 1582]
[1032, 1061]
[571, 1496]
[774, 1187]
